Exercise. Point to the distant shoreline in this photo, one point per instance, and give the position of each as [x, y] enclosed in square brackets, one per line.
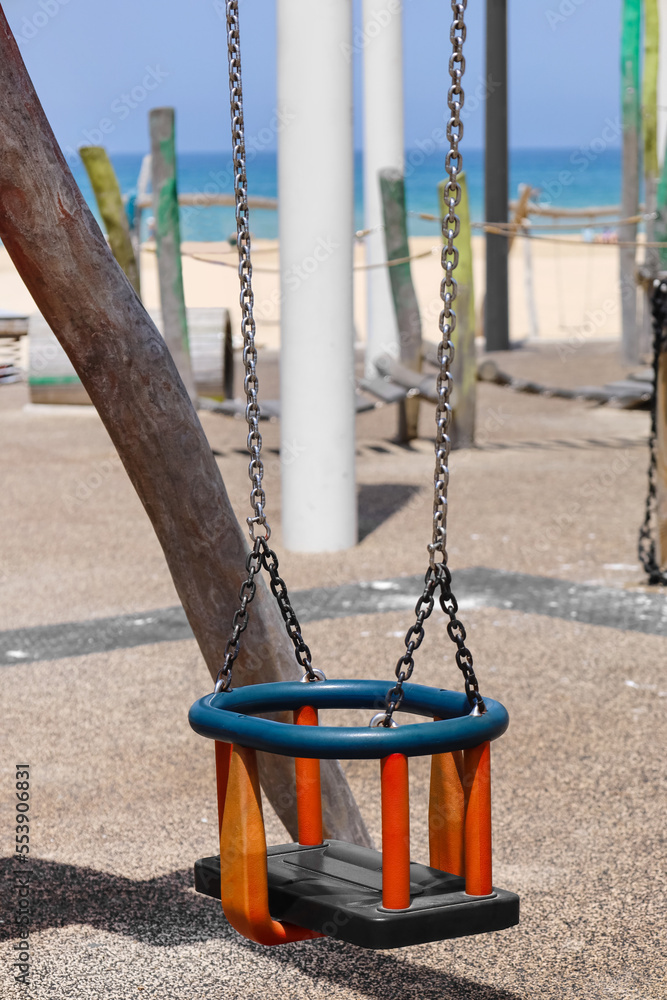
[570, 177]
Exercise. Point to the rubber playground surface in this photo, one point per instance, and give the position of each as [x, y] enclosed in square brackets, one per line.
[122, 791]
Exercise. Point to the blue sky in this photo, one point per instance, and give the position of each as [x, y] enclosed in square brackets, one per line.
[109, 61]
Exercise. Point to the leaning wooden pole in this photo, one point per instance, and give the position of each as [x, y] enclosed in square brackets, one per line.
[168, 239]
[59, 251]
[464, 369]
[106, 189]
[630, 58]
[406, 307]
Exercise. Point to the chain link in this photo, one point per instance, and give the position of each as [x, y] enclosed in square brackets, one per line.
[646, 547]
[279, 591]
[261, 554]
[438, 575]
[240, 620]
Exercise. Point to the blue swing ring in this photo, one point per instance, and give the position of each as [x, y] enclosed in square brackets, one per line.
[232, 718]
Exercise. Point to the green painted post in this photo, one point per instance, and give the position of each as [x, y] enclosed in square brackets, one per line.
[651, 164]
[660, 225]
[168, 238]
[392, 190]
[464, 369]
[630, 61]
[110, 203]
[660, 228]
[650, 86]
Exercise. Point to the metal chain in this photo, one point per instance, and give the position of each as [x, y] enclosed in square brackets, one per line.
[438, 575]
[247, 299]
[261, 554]
[240, 620]
[646, 547]
[279, 591]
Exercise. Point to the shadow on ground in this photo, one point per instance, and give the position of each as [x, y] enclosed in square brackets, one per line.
[377, 503]
[161, 912]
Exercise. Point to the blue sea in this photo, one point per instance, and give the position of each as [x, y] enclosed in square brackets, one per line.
[566, 178]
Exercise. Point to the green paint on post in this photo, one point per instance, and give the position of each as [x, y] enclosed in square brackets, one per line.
[110, 204]
[630, 49]
[168, 239]
[464, 369]
[650, 87]
[661, 221]
[631, 108]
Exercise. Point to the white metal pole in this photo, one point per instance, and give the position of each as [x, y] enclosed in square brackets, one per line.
[382, 38]
[316, 226]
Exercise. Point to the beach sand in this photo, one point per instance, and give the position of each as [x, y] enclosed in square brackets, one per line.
[576, 287]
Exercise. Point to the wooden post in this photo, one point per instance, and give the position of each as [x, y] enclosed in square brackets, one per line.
[109, 199]
[520, 220]
[661, 448]
[651, 166]
[660, 233]
[392, 192]
[227, 356]
[168, 239]
[496, 159]
[660, 225]
[464, 369]
[520, 213]
[529, 281]
[630, 57]
[123, 362]
[662, 78]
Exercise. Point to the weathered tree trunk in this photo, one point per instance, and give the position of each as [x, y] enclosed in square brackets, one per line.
[109, 199]
[392, 188]
[125, 365]
[168, 239]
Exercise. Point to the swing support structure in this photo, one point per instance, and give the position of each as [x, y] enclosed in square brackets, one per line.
[319, 886]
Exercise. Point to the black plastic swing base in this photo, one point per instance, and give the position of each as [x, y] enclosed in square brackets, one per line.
[336, 889]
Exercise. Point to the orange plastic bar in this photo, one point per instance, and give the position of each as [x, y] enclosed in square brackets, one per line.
[223, 755]
[446, 813]
[395, 832]
[243, 875]
[308, 786]
[477, 778]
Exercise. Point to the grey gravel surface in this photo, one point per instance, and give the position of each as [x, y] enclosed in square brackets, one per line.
[123, 796]
[475, 586]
